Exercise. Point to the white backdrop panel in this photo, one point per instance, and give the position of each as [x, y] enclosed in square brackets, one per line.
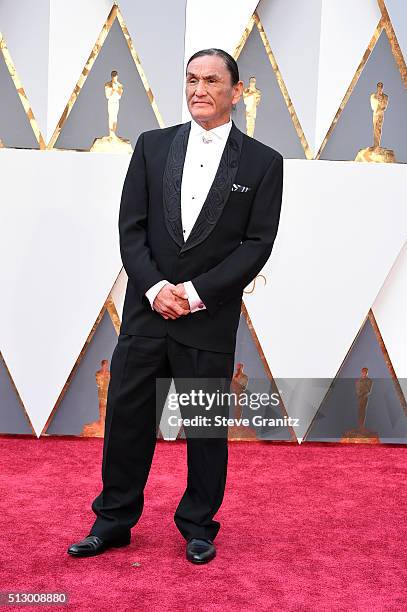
[60, 241]
[342, 226]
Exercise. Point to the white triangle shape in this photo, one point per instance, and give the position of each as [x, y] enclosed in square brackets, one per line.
[346, 30]
[318, 53]
[74, 29]
[294, 35]
[342, 226]
[60, 238]
[118, 292]
[390, 311]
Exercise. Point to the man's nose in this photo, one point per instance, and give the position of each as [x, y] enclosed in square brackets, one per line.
[200, 88]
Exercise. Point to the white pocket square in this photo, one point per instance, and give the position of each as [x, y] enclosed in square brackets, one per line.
[240, 188]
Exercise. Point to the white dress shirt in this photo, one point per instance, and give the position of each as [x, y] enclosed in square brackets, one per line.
[203, 154]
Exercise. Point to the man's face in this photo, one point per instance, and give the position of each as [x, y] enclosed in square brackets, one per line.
[209, 91]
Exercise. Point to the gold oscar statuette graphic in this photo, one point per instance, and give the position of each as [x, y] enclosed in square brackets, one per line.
[238, 387]
[363, 386]
[97, 428]
[112, 143]
[251, 99]
[379, 102]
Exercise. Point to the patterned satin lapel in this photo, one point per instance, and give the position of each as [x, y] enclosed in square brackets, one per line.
[218, 193]
[172, 178]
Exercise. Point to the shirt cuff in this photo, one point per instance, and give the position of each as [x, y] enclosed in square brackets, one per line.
[195, 302]
[154, 290]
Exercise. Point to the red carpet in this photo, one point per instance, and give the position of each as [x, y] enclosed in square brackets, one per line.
[308, 528]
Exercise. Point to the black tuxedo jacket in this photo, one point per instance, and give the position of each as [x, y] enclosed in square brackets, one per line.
[229, 244]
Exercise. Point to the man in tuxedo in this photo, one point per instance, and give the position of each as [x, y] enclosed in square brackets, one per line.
[199, 214]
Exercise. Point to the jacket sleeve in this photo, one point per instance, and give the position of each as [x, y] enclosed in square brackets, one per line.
[229, 278]
[135, 252]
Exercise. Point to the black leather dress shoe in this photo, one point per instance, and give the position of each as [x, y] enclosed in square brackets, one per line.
[200, 550]
[93, 545]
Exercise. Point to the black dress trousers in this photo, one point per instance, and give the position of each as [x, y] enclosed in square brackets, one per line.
[134, 406]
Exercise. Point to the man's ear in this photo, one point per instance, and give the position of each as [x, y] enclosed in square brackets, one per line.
[237, 92]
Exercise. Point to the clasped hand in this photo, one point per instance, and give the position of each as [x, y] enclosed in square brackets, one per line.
[171, 301]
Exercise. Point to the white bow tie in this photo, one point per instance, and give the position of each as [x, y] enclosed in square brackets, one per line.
[207, 138]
